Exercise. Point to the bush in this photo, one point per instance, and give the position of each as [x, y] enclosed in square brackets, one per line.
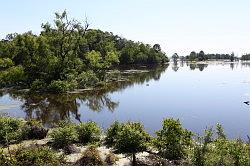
[88, 132]
[87, 79]
[220, 132]
[132, 139]
[200, 148]
[38, 156]
[5, 63]
[221, 151]
[91, 157]
[34, 130]
[14, 76]
[38, 85]
[7, 160]
[59, 86]
[172, 139]
[10, 129]
[111, 159]
[112, 132]
[64, 136]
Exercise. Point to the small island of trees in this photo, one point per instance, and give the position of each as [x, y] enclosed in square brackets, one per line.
[68, 55]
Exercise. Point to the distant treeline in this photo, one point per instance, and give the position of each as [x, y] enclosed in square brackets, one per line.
[245, 57]
[201, 56]
[68, 55]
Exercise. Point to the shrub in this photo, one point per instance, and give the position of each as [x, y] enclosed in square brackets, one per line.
[132, 139]
[14, 76]
[87, 79]
[201, 148]
[111, 159]
[220, 151]
[91, 157]
[59, 86]
[34, 130]
[220, 132]
[64, 136]
[10, 129]
[38, 156]
[5, 63]
[112, 132]
[38, 85]
[172, 139]
[88, 132]
[7, 160]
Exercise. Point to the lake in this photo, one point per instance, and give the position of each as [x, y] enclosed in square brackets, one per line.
[200, 95]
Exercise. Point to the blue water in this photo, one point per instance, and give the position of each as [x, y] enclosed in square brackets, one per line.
[202, 97]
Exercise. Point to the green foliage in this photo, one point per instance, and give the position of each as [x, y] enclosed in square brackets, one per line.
[5, 63]
[65, 54]
[38, 85]
[6, 159]
[200, 148]
[91, 157]
[59, 86]
[10, 130]
[220, 132]
[131, 139]
[14, 76]
[112, 133]
[88, 132]
[221, 151]
[33, 130]
[64, 136]
[38, 156]
[87, 79]
[172, 139]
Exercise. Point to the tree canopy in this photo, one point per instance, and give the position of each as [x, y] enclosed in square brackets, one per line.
[65, 52]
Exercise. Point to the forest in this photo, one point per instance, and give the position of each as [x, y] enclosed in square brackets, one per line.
[245, 57]
[68, 55]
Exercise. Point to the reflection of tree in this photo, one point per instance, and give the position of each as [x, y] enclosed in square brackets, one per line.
[232, 66]
[245, 63]
[49, 107]
[182, 63]
[97, 102]
[200, 66]
[175, 66]
[192, 66]
[52, 108]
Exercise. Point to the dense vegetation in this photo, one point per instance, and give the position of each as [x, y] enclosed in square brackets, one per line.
[172, 142]
[201, 56]
[68, 55]
[245, 57]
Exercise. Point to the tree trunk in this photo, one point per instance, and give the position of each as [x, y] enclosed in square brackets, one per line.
[133, 159]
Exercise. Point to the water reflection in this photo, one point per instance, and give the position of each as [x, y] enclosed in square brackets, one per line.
[175, 66]
[51, 108]
[202, 65]
[192, 66]
[245, 63]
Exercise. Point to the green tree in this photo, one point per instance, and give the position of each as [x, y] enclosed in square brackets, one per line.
[232, 57]
[131, 139]
[201, 56]
[157, 47]
[172, 139]
[192, 56]
[175, 57]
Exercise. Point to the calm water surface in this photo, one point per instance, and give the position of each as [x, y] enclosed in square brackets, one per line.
[199, 95]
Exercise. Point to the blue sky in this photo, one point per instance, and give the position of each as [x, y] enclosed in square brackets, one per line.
[215, 26]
